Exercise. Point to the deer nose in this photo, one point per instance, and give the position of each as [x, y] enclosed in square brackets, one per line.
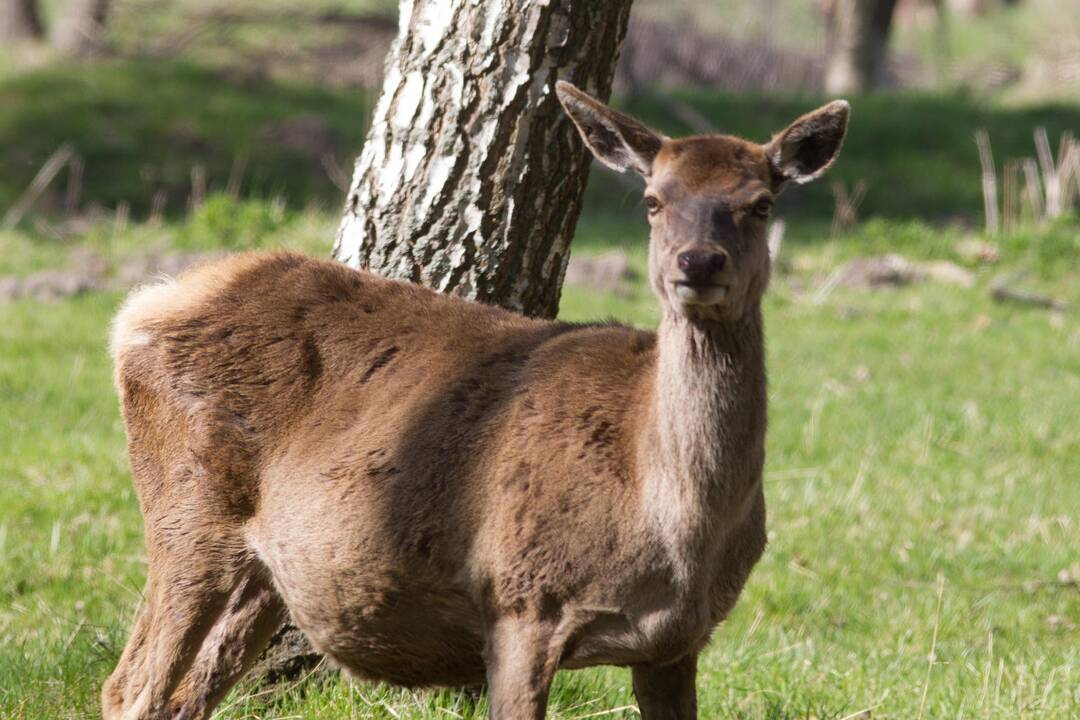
[700, 266]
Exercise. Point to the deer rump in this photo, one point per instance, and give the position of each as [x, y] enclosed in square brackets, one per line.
[406, 466]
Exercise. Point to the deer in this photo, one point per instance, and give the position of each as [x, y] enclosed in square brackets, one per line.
[444, 493]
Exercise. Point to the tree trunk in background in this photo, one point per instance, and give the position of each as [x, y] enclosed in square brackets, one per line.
[19, 21]
[80, 29]
[858, 43]
[471, 178]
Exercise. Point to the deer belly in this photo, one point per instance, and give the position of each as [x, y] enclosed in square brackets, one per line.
[400, 630]
[410, 638]
[373, 614]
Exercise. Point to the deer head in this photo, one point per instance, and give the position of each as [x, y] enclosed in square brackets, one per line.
[708, 198]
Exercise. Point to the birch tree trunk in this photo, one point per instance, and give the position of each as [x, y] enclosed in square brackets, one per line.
[471, 179]
[858, 43]
[19, 21]
[80, 29]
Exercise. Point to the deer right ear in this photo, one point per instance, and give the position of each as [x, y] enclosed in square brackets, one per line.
[810, 144]
[617, 140]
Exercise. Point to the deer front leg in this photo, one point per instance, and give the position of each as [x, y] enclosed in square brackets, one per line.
[522, 655]
[667, 692]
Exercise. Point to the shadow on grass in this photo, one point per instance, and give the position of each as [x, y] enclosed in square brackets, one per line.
[141, 127]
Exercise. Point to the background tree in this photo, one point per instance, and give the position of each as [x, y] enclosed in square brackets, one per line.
[80, 28]
[857, 44]
[19, 21]
[471, 179]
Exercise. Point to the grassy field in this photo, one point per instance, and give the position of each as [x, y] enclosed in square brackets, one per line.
[142, 126]
[922, 465]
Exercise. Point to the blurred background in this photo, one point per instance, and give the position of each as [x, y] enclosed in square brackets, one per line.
[150, 109]
[924, 347]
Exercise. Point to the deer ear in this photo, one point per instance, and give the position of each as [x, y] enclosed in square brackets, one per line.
[809, 145]
[617, 140]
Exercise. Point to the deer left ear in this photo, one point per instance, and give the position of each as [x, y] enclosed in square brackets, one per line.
[617, 140]
[809, 145]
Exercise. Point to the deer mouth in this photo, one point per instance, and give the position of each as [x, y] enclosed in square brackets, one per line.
[699, 293]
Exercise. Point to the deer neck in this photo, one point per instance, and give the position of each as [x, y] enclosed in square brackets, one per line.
[705, 443]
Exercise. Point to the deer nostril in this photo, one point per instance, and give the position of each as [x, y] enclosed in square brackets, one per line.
[701, 263]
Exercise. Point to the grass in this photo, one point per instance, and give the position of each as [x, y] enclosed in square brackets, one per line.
[923, 448]
[141, 126]
[920, 439]
[221, 224]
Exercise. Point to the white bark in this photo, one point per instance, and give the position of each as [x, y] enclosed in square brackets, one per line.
[471, 179]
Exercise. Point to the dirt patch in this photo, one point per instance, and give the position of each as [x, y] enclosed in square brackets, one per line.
[90, 272]
[894, 270]
[48, 285]
[609, 272]
[884, 271]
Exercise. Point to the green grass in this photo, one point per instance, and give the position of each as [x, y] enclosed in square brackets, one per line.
[1033, 38]
[142, 126]
[921, 438]
[221, 224]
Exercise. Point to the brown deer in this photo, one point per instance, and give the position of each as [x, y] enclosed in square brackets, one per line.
[444, 493]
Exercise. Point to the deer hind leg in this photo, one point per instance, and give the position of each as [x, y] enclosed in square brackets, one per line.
[116, 688]
[252, 615]
[189, 589]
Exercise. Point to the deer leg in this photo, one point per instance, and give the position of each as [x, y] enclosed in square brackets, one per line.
[181, 622]
[667, 692]
[189, 588]
[117, 687]
[521, 656]
[242, 631]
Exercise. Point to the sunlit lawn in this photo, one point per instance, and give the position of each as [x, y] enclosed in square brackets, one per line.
[922, 480]
[923, 473]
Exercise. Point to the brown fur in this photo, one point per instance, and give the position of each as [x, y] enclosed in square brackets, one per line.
[442, 492]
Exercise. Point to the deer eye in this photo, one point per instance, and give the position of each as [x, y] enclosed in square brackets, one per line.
[761, 208]
[652, 204]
